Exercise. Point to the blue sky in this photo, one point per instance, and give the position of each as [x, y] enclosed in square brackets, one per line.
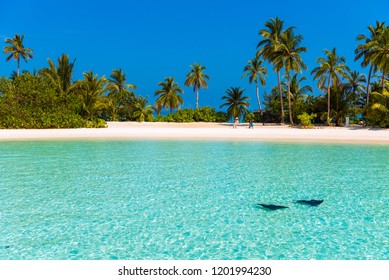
[151, 40]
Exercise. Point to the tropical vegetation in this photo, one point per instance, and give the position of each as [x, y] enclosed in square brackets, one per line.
[51, 98]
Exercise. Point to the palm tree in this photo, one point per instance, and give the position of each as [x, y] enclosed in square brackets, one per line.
[142, 109]
[120, 93]
[288, 56]
[90, 92]
[169, 96]
[65, 70]
[60, 75]
[355, 85]
[197, 79]
[298, 92]
[269, 44]
[236, 102]
[255, 70]
[17, 50]
[330, 67]
[379, 53]
[364, 52]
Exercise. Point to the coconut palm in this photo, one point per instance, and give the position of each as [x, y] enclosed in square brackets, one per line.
[288, 56]
[142, 109]
[90, 92]
[117, 86]
[379, 53]
[268, 45]
[330, 69]
[120, 93]
[256, 71]
[169, 96]
[355, 86]
[60, 75]
[364, 52]
[297, 91]
[197, 79]
[236, 102]
[17, 50]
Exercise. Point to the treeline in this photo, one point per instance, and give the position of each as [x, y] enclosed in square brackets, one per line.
[49, 98]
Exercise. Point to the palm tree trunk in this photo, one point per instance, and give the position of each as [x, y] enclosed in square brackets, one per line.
[290, 102]
[281, 100]
[259, 101]
[328, 100]
[18, 66]
[368, 85]
[383, 81]
[197, 99]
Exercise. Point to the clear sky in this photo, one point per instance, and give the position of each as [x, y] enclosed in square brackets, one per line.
[151, 40]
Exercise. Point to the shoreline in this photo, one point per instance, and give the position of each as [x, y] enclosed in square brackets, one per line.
[203, 131]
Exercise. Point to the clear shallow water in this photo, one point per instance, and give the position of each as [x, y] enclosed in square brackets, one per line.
[192, 200]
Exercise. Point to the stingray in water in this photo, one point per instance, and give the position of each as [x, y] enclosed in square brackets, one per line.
[312, 202]
[272, 206]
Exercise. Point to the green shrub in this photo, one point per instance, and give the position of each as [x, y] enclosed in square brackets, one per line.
[306, 119]
[184, 115]
[205, 114]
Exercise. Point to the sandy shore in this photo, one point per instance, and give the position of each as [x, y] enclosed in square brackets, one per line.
[204, 131]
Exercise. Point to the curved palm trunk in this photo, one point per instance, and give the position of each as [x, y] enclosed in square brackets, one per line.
[328, 100]
[368, 85]
[259, 101]
[281, 100]
[197, 99]
[290, 102]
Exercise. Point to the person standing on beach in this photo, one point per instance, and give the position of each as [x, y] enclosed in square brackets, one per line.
[236, 122]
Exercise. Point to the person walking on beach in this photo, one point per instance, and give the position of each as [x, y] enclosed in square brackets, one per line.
[236, 122]
[251, 124]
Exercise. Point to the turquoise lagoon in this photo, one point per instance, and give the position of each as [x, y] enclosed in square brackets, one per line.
[192, 200]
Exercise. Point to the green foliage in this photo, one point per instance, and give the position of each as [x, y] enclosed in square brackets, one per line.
[203, 114]
[33, 102]
[306, 119]
[96, 123]
[378, 112]
[184, 115]
[221, 116]
[248, 117]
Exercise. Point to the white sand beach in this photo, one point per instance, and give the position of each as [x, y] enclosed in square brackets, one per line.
[205, 131]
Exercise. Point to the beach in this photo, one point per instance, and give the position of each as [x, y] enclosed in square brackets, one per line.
[205, 131]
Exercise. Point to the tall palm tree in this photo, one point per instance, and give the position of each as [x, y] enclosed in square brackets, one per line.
[120, 93]
[90, 92]
[379, 53]
[60, 75]
[255, 70]
[17, 50]
[331, 67]
[142, 109]
[169, 96]
[268, 45]
[237, 102]
[355, 86]
[197, 79]
[288, 56]
[364, 52]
